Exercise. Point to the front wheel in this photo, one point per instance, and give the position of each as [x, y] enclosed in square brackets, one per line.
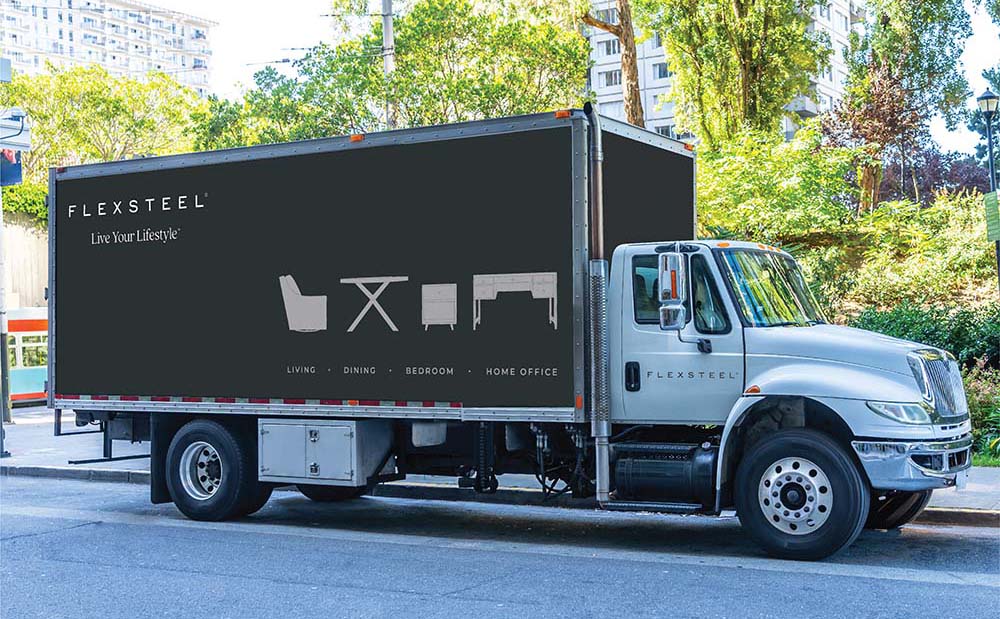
[800, 496]
[891, 510]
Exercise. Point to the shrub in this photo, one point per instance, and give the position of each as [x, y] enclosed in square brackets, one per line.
[970, 334]
[982, 388]
[920, 254]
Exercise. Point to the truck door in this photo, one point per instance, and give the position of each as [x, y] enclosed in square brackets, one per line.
[666, 377]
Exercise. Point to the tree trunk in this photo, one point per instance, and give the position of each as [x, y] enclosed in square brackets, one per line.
[625, 31]
[871, 178]
[630, 66]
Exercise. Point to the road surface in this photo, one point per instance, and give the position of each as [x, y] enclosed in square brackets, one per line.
[79, 549]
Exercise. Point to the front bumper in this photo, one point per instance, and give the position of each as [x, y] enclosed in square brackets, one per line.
[915, 465]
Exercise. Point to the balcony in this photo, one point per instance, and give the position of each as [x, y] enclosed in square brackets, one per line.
[858, 13]
[804, 106]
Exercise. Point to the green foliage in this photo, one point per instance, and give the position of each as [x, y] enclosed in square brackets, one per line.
[736, 64]
[27, 198]
[85, 115]
[925, 255]
[759, 186]
[982, 388]
[220, 124]
[796, 194]
[971, 334]
[920, 42]
[455, 61]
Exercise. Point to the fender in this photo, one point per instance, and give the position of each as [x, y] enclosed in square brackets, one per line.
[817, 379]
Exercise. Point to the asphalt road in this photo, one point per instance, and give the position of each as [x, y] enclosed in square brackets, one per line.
[83, 549]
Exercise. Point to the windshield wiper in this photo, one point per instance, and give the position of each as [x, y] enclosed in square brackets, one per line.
[789, 323]
[815, 321]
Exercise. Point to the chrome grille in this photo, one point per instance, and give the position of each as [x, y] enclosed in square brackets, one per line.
[946, 385]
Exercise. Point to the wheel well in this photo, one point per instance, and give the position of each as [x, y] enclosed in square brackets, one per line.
[774, 413]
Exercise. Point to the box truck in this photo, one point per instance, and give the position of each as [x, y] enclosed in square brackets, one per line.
[523, 295]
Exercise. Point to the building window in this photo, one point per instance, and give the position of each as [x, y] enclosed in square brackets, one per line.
[611, 78]
[656, 41]
[667, 130]
[824, 10]
[608, 16]
[614, 109]
[611, 47]
[661, 72]
[842, 23]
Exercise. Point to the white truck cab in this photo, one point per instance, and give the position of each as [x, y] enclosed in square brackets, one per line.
[728, 334]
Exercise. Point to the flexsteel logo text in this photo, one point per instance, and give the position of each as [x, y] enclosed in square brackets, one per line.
[133, 206]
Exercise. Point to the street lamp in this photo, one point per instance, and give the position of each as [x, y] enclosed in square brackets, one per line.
[988, 103]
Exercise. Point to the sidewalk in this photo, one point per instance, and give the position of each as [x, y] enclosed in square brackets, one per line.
[36, 451]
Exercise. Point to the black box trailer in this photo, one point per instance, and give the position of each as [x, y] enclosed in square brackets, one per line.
[437, 272]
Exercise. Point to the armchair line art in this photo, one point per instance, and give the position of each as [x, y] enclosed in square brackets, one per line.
[306, 314]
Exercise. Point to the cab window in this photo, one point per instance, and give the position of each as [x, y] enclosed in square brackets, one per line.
[709, 313]
[645, 290]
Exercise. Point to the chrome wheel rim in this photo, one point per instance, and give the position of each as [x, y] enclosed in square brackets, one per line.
[200, 470]
[795, 496]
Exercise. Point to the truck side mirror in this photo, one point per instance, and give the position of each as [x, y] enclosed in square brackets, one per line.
[672, 275]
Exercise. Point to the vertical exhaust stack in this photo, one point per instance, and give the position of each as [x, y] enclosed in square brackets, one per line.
[600, 410]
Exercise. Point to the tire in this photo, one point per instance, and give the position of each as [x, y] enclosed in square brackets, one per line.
[330, 494]
[896, 508]
[825, 506]
[263, 494]
[228, 488]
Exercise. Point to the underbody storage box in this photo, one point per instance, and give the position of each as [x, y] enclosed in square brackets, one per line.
[332, 452]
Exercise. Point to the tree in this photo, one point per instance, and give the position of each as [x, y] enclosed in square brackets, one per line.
[976, 121]
[84, 114]
[623, 27]
[221, 124]
[760, 186]
[455, 61]
[904, 68]
[736, 64]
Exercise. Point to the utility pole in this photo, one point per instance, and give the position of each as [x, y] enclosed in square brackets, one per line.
[4, 362]
[388, 62]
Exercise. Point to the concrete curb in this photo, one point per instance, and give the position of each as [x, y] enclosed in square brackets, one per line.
[960, 516]
[68, 472]
[954, 516]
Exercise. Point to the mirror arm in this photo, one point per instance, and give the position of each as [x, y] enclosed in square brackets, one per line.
[704, 344]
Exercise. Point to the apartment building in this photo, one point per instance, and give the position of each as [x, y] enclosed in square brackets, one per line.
[124, 36]
[837, 18]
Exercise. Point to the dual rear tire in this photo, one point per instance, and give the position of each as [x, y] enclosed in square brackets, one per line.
[211, 474]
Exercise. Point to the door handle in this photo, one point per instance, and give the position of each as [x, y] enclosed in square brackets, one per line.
[632, 376]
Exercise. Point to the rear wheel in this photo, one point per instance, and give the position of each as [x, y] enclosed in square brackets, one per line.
[893, 509]
[330, 494]
[800, 496]
[211, 472]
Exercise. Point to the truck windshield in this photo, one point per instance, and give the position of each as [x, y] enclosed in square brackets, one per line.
[769, 289]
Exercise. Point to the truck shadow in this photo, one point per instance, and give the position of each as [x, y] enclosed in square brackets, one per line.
[913, 547]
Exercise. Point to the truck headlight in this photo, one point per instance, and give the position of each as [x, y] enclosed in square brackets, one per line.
[903, 412]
